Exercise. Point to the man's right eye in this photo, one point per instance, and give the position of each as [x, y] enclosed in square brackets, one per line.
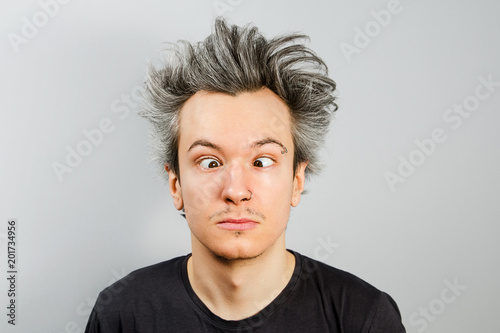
[209, 163]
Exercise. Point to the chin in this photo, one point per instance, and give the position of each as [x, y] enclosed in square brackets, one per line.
[240, 245]
[230, 257]
[237, 253]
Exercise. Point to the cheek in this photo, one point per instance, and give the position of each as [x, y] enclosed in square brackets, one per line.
[200, 191]
[198, 198]
[275, 190]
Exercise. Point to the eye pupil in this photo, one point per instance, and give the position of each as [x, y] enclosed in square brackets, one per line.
[212, 164]
[263, 162]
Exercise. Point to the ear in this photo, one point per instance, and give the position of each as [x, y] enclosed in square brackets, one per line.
[298, 183]
[175, 188]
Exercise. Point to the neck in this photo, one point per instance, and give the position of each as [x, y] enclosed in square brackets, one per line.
[239, 288]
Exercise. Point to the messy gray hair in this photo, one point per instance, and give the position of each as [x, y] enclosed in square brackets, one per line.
[234, 60]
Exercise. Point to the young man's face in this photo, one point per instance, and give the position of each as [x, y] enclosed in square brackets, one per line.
[236, 172]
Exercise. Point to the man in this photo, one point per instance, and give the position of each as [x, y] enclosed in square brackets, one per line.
[237, 121]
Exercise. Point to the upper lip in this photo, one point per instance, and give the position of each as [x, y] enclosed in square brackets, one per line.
[243, 220]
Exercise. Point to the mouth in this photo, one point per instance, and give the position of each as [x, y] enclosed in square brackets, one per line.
[237, 224]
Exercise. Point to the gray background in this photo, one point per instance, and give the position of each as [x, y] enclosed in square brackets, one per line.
[112, 214]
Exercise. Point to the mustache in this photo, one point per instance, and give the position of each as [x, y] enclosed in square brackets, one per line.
[229, 210]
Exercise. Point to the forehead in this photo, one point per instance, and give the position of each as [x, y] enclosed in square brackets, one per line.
[238, 119]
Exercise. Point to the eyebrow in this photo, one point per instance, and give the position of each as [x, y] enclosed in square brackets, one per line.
[266, 141]
[205, 143]
[258, 143]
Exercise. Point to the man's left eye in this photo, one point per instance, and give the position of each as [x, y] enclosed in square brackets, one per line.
[263, 162]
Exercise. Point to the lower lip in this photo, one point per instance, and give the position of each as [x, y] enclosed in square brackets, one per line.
[237, 226]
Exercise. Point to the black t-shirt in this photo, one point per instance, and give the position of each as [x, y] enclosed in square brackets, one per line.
[318, 298]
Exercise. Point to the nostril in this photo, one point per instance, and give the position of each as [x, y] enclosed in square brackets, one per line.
[248, 198]
[235, 198]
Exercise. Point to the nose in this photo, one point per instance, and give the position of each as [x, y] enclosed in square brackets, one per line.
[236, 185]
